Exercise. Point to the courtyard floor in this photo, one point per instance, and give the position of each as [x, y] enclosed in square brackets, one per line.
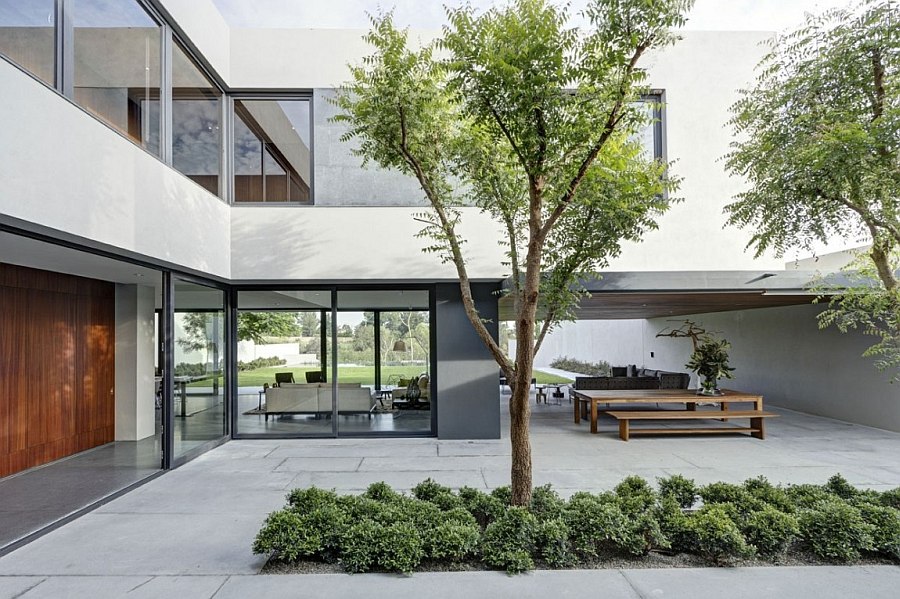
[188, 533]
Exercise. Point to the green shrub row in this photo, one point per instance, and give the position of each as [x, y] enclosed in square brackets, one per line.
[566, 363]
[258, 363]
[385, 530]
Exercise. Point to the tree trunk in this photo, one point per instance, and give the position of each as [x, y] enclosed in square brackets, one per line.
[520, 440]
[883, 266]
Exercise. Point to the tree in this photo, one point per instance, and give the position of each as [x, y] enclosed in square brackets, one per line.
[533, 122]
[253, 326]
[309, 324]
[818, 138]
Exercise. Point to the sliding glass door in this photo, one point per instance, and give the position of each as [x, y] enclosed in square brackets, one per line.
[198, 398]
[283, 355]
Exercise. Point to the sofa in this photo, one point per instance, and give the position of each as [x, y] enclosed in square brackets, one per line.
[315, 398]
[644, 379]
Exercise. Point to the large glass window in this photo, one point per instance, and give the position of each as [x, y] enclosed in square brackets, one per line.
[384, 344]
[27, 36]
[283, 352]
[117, 67]
[199, 397]
[196, 122]
[271, 151]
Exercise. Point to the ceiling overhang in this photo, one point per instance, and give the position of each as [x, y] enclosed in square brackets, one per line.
[640, 295]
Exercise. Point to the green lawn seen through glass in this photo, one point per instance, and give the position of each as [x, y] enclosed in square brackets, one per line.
[364, 375]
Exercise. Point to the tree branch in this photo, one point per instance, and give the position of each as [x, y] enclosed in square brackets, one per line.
[450, 233]
[609, 127]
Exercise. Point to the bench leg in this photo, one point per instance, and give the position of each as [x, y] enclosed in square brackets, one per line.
[577, 411]
[594, 417]
[759, 423]
[623, 429]
[724, 407]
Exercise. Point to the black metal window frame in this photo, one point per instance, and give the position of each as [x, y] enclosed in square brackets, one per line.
[306, 96]
[335, 289]
[172, 33]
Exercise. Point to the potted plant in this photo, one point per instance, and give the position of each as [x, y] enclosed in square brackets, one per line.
[710, 361]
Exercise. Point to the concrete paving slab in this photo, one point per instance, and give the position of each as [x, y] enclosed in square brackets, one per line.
[466, 448]
[410, 464]
[435, 585]
[320, 464]
[358, 481]
[376, 450]
[879, 582]
[14, 586]
[180, 587]
[143, 544]
[199, 499]
[87, 587]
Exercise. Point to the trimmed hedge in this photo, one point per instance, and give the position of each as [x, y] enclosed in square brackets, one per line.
[385, 530]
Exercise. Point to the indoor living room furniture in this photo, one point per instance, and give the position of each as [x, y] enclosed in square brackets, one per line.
[402, 398]
[316, 399]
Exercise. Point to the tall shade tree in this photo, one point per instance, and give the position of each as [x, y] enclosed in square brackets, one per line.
[534, 122]
[818, 140]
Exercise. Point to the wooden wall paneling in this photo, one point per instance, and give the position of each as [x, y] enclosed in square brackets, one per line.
[57, 346]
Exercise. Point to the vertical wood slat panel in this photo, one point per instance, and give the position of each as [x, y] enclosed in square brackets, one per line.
[57, 366]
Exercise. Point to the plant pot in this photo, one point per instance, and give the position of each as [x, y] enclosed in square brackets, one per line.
[710, 392]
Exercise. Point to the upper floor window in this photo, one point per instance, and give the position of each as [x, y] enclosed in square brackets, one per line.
[196, 122]
[117, 67]
[28, 36]
[272, 151]
[650, 135]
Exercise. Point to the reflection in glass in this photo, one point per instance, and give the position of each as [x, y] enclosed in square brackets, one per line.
[199, 397]
[27, 36]
[271, 151]
[196, 123]
[384, 343]
[284, 381]
[649, 134]
[118, 68]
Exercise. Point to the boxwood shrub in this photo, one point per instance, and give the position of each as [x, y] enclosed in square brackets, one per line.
[836, 530]
[682, 490]
[716, 536]
[386, 530]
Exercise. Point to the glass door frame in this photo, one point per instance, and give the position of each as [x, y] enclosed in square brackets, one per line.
[170, 460]
[333, 367]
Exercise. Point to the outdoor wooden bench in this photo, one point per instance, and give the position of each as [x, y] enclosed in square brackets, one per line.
[756, 428]
[586, 401]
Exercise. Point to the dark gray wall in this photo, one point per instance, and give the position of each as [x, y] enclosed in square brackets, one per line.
[468, 402]
[340, 179]
[782, 354]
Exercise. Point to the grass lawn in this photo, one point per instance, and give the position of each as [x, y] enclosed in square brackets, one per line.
[364, 375]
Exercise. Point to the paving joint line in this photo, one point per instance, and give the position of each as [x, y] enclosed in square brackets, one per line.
[624, 574]
[224, 582]
[29, 589]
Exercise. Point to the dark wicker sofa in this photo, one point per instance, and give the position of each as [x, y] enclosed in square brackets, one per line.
[645, 379]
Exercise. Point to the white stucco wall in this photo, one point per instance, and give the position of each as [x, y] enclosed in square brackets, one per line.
[64, 170]
[619, 342]
[701, 76]
[207, 29]
[343, 243]
[135, 353]
[299, 58]
[782, 354]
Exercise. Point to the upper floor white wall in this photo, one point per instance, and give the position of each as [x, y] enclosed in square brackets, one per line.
[63, 169]
[701, 77]
[207, 29]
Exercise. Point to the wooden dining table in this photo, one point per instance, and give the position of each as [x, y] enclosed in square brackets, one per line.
[586, 400]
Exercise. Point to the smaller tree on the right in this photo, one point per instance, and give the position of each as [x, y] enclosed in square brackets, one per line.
[818, 141]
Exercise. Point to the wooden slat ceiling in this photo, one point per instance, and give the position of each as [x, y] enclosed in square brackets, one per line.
[637, 305]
